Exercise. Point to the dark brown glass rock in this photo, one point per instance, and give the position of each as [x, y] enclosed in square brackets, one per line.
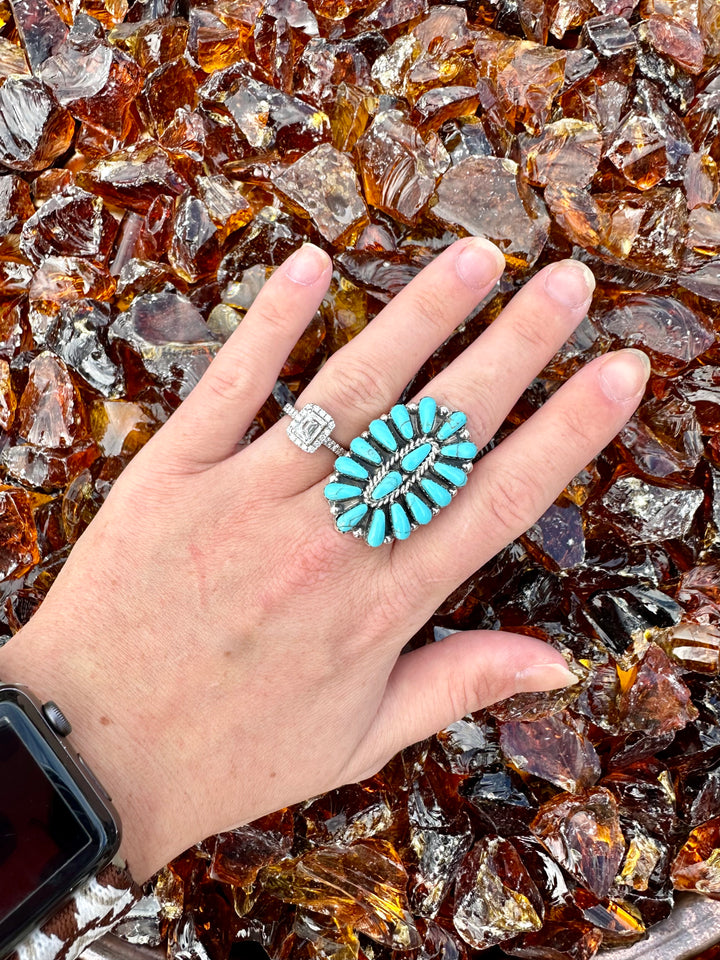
[133, 178]
[555, 748]
[93, 80]
[271, 120]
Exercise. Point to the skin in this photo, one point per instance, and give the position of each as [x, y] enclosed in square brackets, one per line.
[221, 650]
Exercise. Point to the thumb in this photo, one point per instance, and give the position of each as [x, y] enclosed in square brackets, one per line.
[438, 684]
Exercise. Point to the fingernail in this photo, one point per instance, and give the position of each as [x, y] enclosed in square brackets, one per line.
[570, 282]
[624, 374]
[479, 263]
[545, 676]
[307, 264]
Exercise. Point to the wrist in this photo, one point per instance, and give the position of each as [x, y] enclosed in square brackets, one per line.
[105, 738]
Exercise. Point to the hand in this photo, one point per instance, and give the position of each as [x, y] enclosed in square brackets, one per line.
[221, 650]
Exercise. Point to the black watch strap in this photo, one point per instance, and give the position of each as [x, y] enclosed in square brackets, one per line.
[92, 911]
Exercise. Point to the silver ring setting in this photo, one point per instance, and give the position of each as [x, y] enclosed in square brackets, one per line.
[310, 428]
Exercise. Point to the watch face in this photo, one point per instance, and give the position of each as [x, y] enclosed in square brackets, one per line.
[55, 830]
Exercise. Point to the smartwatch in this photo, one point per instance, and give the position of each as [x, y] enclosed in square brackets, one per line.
[61, 884]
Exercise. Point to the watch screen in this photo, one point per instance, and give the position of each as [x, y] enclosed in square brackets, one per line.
[39, 832]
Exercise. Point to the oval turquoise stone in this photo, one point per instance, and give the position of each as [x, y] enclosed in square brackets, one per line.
[460, 451]
[401, 418]
[427, 408]
[418, 508]
[361, 448]
[351, 468]
[453, 474]
[381, 432]
[346, 521]
[419, 455]
[453, 423]
[376, 530]
[400, 522]
[391, 481]
[437, 493]
[341, 491]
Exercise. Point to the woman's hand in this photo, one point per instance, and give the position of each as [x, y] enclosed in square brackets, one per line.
[221, 650]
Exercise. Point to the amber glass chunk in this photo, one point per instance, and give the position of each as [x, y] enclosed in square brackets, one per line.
[400, 169]
[495, 897]
[324, 186]
[483, 196]
[555, 748]
[583, 834]
[696, 865]
[363, 884]
[34, 128]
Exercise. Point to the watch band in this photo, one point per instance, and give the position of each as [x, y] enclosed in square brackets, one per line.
[92, 911]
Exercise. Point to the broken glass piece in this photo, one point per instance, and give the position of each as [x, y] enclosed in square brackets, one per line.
[323, 184]
[34, 129]
[583, 834]
[554, 748]
[495, 897]
[483, 196]
[399, 168]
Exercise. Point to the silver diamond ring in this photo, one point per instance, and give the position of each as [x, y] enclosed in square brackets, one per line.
[310, 428]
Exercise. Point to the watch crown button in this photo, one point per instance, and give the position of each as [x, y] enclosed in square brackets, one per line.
[56, 718]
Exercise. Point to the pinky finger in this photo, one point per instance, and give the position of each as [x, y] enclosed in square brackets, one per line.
[208, 425]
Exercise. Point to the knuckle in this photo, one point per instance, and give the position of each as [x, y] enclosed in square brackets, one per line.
[468, 691]
[316, 564]
[355, 384]
[531, 332]
[511, 496]
[429, 309]
[572, 431]
[225, 379]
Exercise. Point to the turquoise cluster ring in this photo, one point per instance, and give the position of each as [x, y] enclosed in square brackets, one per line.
[401, 471]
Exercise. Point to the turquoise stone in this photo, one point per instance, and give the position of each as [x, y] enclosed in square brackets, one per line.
[361, 448]
[418, 508]
[412, 460]
[453, 423]
[391, 481]
[351, 468]
[400, 522]
[462, 451]
[341, 491]
[376, 530]
[427, 408]
[453, 474]
[346, 521]
[438, 494]
[381, 432]
[401, 419]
